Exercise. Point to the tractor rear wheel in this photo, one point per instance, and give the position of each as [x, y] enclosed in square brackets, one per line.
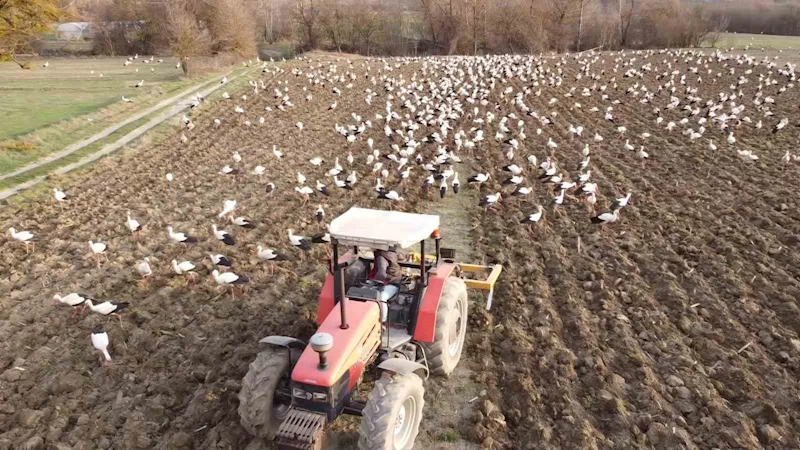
[445, 351]
[260, 411]
[391, 417]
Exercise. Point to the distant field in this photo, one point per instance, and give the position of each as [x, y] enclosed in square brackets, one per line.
[742, 40]
[47, 109]
[36, 98]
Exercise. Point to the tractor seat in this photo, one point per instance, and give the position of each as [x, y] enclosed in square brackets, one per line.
[373, 291]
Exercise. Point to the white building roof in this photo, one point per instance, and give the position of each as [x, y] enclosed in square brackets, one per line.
[72, 27]
[382, 229]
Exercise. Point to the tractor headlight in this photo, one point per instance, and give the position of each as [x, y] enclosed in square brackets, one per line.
[320, 397]
[299, 393]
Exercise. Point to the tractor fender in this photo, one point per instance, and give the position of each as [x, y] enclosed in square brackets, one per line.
[284, 341]
[402, 366]
[294, 346]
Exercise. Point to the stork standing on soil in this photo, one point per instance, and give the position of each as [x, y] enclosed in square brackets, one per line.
[107, 308]
[227, 208]
[98, 250]
[100, 343]
[59, 195]
[26, 237]
[144, 269]
[606, 217]
[133, 225]
[478, 179]
[271, 256]
[229, 279]
[184, 268]
[621, 202]
[319, 215]
[489, 201]
[301, 243]
[243, 222]
[181, 238]
[72, 300]
[221, 261]
[223, 236]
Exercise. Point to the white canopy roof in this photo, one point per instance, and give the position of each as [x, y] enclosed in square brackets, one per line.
[382, 229]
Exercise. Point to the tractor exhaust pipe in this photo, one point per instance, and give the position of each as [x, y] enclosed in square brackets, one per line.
[338, 275]
[322, 343]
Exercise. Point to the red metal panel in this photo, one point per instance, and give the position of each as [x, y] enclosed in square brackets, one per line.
[326, 300]
[349, 347]
[426, 319]
[355, 374]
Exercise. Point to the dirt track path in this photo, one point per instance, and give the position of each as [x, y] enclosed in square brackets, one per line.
[452, 403]
[179, 103]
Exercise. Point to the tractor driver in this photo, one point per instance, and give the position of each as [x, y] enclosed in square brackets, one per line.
[386, 269]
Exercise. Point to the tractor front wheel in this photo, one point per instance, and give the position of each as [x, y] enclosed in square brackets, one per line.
[260, 411]
[391, 417]
[445, 351]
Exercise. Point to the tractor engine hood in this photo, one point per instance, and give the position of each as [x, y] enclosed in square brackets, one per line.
[352, 347]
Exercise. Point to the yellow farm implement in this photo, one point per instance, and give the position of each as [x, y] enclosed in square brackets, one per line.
[486, 284]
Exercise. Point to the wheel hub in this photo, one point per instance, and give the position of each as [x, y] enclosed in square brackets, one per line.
[404, 423]
[454, 338]
[401, 418]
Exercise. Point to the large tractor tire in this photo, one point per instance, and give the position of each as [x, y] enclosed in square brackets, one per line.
[260, 413]
[445, 351]
[392, 415]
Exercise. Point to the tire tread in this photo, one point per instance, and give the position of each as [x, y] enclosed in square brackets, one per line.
[258, 388]
[436, 351]
[376, 430]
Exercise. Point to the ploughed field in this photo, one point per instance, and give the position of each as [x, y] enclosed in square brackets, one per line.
[674, 327]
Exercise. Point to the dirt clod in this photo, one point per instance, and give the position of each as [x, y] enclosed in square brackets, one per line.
[674, 381]
[67, 383]
[11, 375]
[768, 434]
[59, 446]
[29, 418]
[657, 434]
[34, 443]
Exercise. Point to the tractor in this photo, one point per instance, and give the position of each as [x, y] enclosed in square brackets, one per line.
[396, 334]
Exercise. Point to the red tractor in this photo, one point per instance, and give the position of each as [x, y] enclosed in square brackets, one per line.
[400, 332]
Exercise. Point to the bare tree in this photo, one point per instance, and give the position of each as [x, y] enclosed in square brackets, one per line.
[365, 25]
[427, 12]
[715, 30]
[21, 21]
[580, 25]
[561, 12]
[333, 23]
[474, 24]
[123, 27]
[445, 21]
[232, 23]
[627, 10]
[185, 36]
[306, 15]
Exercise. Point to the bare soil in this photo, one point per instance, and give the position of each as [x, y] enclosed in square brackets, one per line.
[676, 327]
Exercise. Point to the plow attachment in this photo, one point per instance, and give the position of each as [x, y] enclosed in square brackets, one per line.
[486, 284]
[490, 274]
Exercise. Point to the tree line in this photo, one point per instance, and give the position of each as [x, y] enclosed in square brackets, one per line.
[405, 27]
[189, 28]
